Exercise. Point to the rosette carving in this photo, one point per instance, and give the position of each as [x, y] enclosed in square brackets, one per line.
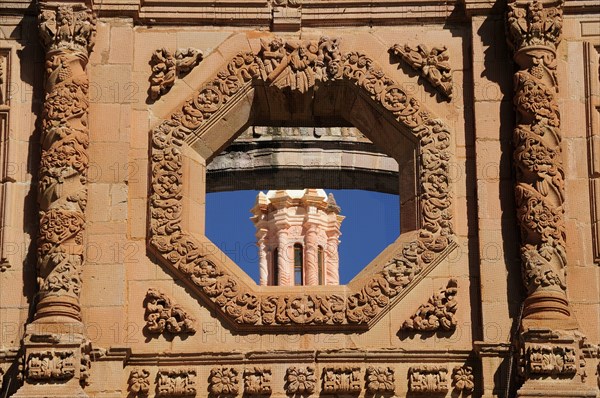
[139, 382]
[380, 380]
[298, 65]
[68, 32]
[224, 382]
[463, 380]
[300, 380]
[534, 30]
[438, 313]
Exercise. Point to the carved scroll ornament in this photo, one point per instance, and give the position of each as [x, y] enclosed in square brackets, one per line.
[298, 65]
[438, 313]
[428, 379]
[166, 66]
[162, 315]
[432, 64]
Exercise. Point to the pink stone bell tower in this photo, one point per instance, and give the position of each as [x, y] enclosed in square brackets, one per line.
[297, 235]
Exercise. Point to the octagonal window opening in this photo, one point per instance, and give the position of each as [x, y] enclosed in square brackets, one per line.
[287, 230]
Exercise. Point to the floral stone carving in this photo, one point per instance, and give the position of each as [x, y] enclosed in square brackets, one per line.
[139, 382]
[298, 65]
[166, 66]
[341, 379]
[463, 379]
[432, 64]
[176, 383]
[257, 381]
[428, 379]
[438, 313]
[300, 380]
[50, 365]
[380, 380]
[534, 31]
[223, 382]
[543, 359]
[163, 315]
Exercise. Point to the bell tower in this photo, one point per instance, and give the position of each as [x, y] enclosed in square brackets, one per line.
[297, 235]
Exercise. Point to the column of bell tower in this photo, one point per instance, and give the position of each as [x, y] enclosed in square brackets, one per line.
[297, 235]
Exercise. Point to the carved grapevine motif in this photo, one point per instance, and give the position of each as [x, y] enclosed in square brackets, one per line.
[257, 381]
[433, 64]
[380, 380]
[68, 34]
[534, 32]
[162, 315]
[428, 379]
[438, 313]
[300, 380]
[298, 65]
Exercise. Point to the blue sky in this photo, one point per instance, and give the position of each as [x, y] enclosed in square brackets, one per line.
[371, 224]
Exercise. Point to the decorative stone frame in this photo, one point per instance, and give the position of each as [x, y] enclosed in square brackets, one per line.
[365, 96]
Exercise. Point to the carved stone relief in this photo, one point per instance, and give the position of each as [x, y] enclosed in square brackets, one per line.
[433, 64]
[257, 381]
[139, 382]
[463, 380]
[51, 365]
[300, 380]
[176, 383]
[298, 65]
[163, 315]
[438, 313]
[428, 379]
[166, 66]
[541, 359]
[342, 380]
[380, 380]
[224, 382]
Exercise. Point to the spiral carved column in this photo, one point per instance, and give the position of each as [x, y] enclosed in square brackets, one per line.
[549, 345]
[55, 340]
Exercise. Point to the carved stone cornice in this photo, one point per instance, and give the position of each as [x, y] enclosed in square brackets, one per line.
[67, 27]
[163, 315]
[298, 65]
[432, 64]
[438, 313]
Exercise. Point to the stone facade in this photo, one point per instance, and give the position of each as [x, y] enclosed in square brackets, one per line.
[117, 117]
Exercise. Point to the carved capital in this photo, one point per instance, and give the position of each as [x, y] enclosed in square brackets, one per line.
[67, 27]
[534, 24]
[427, 379]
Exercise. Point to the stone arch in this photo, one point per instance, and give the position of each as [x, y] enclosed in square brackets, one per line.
[351, 84]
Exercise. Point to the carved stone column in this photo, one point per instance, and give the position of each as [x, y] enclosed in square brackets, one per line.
[54, 342]
[549, 345]
[311, 249]
[263, 266]
[332, 262]
[285, 262]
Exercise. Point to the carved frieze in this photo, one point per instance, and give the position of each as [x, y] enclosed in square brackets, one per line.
[300, 380]
[433, 64]
[428, 379]
[298, 65]
[163, 315]
[380, 380]
[223, 382]
[51, 365]
[554, 360]
[166, 66]
[438, 313]
[139, 382]
[463, 380]
[342, 380]
[176, 383]
[257, 381]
